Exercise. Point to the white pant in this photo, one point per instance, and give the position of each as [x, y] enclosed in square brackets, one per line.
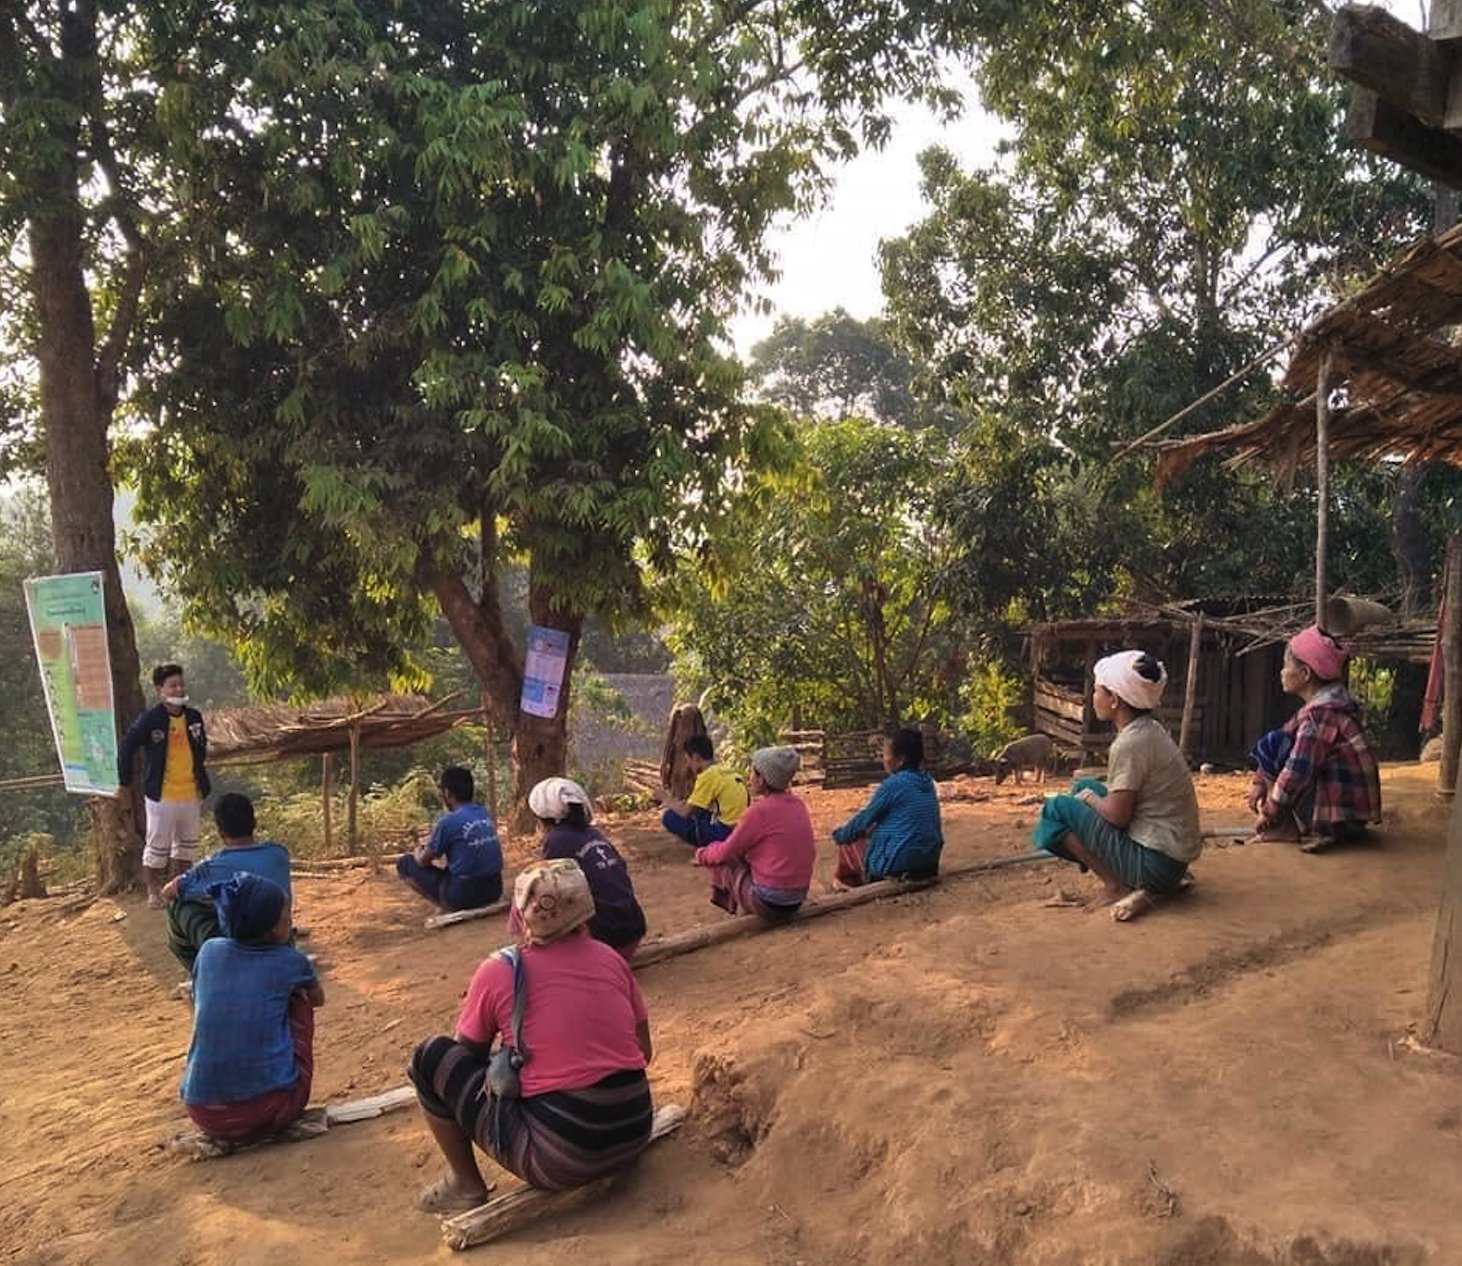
[172, 831]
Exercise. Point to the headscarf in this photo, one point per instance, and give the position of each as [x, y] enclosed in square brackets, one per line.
[1118, 673]
[1319, 652]
[248, 906]
[776, 765]
[552, 898]
[551, 798]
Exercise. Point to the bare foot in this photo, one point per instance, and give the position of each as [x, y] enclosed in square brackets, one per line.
[1109, 895]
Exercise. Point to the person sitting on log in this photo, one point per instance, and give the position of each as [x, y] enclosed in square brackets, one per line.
[898, 833]
[1138, 832]
[715, 804]
[1315, 778]
[460, 867]
[564, 1100]
[566, 830]
[251, 1061]
[191, 915]
[764, 867]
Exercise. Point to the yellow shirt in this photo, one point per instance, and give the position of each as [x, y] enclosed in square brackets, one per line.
[721, 793]
[178, 783]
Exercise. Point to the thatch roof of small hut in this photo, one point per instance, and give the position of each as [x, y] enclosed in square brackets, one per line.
[1401, 380]
[278, 731]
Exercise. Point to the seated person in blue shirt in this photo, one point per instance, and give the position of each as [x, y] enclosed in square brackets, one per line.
[191, 917]
[461, 866]
[251, 1061]
[899, 833]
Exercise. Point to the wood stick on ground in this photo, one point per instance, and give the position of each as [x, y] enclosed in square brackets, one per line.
[524, 1205]
[465, 916]
[315, 1122]
[713, 934]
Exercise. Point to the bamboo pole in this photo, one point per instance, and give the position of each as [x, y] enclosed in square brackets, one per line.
[327, 796]
[352, 802]
[1322, 482]
[523, 1205]
[1451, 634]
[1190, 687]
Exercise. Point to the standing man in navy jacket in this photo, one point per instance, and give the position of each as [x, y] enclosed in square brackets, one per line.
[174, 782]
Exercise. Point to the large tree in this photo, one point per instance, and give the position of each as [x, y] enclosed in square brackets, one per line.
[1173, 197]
[460, 280]
[81, 141]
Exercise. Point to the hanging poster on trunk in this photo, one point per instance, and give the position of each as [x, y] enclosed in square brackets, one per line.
[68, 624]
[543, 669]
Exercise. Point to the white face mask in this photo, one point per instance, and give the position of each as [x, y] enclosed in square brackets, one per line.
[175, 703]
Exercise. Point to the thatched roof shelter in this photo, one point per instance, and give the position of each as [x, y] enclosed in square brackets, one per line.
[268, 732]
[1400, 379]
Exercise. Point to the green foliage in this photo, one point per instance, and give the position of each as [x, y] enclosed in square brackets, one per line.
[387, 815]
[989, 697]
[458, 291]
[837, 367]
[819, 597]
[1372, 686]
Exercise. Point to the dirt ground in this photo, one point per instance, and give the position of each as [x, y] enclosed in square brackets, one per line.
[955, 1076]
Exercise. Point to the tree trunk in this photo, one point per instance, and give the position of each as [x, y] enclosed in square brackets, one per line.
[1409, 540]
[1444, 989]
[76, 412]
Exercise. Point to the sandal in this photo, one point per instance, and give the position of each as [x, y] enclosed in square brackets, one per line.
[443, 1197]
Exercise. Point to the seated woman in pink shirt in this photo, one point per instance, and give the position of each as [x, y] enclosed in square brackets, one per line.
[765, 865]
[580, 1108]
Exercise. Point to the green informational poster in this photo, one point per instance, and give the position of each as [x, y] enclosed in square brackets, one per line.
[69, 624]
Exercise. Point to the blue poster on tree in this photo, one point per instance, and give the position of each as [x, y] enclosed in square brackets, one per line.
[543, 669]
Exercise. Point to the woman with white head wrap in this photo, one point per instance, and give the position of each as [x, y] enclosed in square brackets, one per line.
[764, 867]
[1138, 831]
[566, 830]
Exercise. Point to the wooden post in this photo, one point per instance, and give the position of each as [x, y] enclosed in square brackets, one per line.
[1190, 686]
[1444, 988]
[1088, 715]
[1451, 635]
[327, 798]
[1322, 483]
[351, 802]
[491, 742]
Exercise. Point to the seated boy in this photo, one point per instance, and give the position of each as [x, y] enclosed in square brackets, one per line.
[460, 867]
[717, 800]
[251, 1061]
[191, 917]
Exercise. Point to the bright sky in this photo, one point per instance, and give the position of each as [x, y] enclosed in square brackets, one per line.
[830, 259]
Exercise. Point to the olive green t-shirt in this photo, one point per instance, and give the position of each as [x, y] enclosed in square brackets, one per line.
[1144, 760]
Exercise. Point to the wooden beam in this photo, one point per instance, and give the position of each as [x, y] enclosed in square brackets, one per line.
[1451, 634]
[1400, 64]
[1390, 132]
[327, 795]
[465, 916]
[1322, 482]
[715, 933]
[1190, 686]
[524, 1205]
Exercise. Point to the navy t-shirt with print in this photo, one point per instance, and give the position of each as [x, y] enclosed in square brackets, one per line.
[467, 838]
[618, 919]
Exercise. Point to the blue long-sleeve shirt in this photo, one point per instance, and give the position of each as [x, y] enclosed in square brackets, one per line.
[902, 825]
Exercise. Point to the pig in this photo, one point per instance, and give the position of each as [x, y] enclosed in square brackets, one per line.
[1032, 751]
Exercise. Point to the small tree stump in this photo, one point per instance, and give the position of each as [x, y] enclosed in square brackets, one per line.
[686, 720]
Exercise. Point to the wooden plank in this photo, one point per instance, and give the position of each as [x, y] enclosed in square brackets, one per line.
[434, 921]
[523, 1205]
[315, 1122]
[1400, 64]
[655, 951]
[1451, 669]
[1190, 687]
[1392, 133]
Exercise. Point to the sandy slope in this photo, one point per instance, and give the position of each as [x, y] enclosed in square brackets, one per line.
[960, 1075]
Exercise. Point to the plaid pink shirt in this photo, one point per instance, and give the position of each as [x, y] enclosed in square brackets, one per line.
[1331, 755]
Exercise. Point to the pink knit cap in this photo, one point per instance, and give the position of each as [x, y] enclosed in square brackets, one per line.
[1319, 652]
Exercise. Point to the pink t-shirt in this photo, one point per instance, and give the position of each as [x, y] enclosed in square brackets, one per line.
[579, 1018]
[776, 840]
